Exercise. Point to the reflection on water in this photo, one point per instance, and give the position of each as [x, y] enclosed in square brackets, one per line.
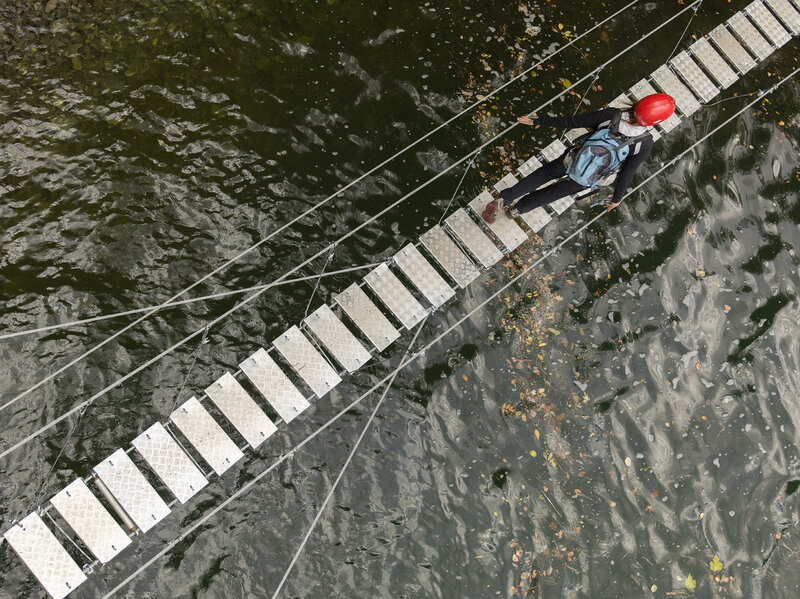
[623, 424]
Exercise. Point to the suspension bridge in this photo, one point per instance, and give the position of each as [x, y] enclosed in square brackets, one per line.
[99, 514]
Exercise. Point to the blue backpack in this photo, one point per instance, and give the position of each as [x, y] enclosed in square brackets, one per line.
[600, 153]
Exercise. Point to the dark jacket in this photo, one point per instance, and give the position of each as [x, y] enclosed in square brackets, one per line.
[591, 120]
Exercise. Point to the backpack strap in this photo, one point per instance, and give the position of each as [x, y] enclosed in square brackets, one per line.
[614, 128]
[578, 142]
[613, 124]
[634, 140]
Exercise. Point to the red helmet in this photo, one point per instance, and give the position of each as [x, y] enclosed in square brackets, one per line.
[654, 109]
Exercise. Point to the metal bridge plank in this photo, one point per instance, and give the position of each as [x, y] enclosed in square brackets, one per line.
[129, 486]
[274, 385]
[767, 23]
[90, 520]
[176, 469]
[240, 410]
[574, 134]
[554, 150]
[423, 275]
[395, 296]
[669, 82]
[367, 316]
[306, 361]
[754, 41]
[473, 238]
[786, 13]
[508, 181]
[47, 560]
[714, 63]
[622, 101]
[642, 89]
[506, 230]
[732, 49]
[694, 76]
[207, 437]
[561, 204]
[530, 165]
[449, 256]
[536, 219]
[337, 338]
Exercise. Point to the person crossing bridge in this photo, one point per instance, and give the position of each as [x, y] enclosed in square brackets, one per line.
[615, 146]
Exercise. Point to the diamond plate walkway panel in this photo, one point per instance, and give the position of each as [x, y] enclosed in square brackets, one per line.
[395, 296]
[367, 316]
[506, 229]
[90, 520]
[694, 76]
[423, 275]
[337, 338]
[306, 361]
[449, 256]
[49, 562]
[274, 385]
[732, 49]
[714, 63]
[754, 41]
[207, 437]
[131, 489]
[240, 409]
[530, 165]
[176, 469]
[474, 239]
[767, 23]
[669, 82]
[786, 13]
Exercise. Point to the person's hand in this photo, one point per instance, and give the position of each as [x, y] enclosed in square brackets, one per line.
[610, 205]
[526, 120]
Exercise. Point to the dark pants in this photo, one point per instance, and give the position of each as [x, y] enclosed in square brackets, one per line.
[531, 197]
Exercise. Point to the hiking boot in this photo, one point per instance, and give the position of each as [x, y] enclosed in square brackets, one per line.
[490, 212]
[505, 197]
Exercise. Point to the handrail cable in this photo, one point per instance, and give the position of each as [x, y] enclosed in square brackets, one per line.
[458, 187]
[256, 294]
[191, 300]
[247, 486]
[312, 209]
[319, 278]
[694, 14]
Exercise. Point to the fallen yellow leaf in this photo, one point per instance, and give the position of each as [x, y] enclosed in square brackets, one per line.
[691, 583]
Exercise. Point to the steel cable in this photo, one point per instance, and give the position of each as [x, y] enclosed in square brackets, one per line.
[683, 35]
[202, 298]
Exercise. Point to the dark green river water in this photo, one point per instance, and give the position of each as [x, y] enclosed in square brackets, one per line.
[603, 430]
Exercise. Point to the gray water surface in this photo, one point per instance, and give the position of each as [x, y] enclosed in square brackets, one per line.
[602, 430]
